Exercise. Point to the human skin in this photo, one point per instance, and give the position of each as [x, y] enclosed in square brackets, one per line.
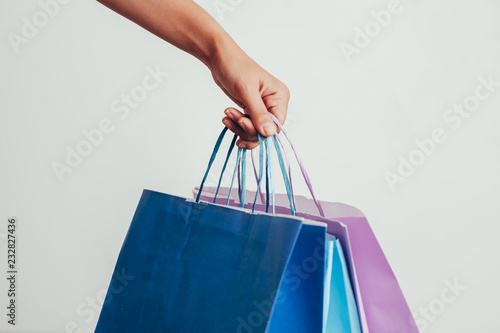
[187, 26]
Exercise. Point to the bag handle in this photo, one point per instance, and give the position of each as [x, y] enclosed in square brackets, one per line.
[236, 170]
[288, 167]
[271, 179]
[243, 174]
[212, 158]
[266, 141]
[285, 176]
[302, 169]
[231, 147]
[261, 166]
[262, 199]
[242, 156]
[263, 144]
[241, 160]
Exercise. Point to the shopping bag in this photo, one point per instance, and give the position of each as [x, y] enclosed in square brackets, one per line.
[197, 267]
[341, 313]
[299, 304]
[381, 304]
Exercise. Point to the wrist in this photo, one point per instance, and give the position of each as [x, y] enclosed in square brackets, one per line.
[221, 51]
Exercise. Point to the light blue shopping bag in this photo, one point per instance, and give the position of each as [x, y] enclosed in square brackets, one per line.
[340, 311]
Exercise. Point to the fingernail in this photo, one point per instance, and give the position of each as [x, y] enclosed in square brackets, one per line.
[225, 122]
[268, 129]
[229, 114]
[243, 146]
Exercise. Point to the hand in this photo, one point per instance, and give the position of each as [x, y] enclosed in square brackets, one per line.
[187, 26]
[254, 90]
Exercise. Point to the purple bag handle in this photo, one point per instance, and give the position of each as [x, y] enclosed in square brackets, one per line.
[288, 167]
[302, 169]
[262, 199]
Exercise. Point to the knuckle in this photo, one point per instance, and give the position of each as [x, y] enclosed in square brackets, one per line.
[260, 112]
[243, 86]
[286, 91]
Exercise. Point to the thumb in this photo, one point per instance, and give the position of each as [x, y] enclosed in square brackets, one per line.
[256, 109]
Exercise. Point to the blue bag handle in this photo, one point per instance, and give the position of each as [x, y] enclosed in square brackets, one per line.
[211, 161]
[269, 175]
[212, 158]
[236, 169]
[243, 178]
[263, 144]
[285, 176]
[231, 147]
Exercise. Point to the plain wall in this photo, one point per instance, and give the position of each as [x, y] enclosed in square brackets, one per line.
[353, 118]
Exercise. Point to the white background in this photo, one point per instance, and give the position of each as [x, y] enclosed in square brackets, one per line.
[350, 121]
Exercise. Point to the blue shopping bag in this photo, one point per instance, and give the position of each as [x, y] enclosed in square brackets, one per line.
[299, 305]
[197, 267]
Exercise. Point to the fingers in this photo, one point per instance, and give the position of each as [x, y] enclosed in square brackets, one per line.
[246, 140]
[258, 112]
[244, 122]
[249, 139]
[247, 144]
[236, 129]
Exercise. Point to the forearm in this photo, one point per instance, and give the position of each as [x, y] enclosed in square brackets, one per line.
[187, 26]
[182, 23]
